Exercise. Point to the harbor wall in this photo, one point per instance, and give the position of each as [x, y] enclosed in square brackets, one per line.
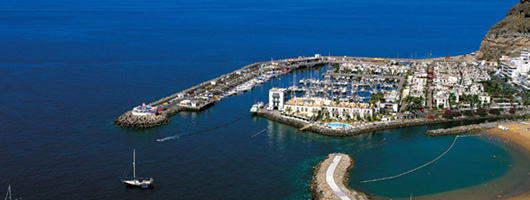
[321, 129]
[127, 120]
[462, 129]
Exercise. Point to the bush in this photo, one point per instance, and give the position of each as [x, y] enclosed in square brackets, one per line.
[480, 112]
[512, 111]
[457, 114]
[448, 114]
[468, 113]
[431, 117]
[495, 111]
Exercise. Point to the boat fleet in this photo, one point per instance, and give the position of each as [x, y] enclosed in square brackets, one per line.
[343, 88]
[247, 86]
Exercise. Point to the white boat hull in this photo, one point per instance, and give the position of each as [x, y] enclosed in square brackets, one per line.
[143, 183]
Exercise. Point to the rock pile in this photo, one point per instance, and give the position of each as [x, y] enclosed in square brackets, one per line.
[461, 129]
[128, 120]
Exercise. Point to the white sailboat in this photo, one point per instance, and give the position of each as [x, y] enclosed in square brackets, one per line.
[8, 194]
[139, 182]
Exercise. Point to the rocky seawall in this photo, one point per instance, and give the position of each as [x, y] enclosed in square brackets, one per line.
[128, 120]
[320, 189]
[508, 36]
[461, 129]
[327, 131]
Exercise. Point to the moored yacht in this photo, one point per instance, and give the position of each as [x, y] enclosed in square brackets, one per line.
[256, 107]
[138, 182]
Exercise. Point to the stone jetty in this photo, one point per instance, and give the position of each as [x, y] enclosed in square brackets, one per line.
[462, 129]
[128, 120]
[322, 129]
[330, 179]
[206, 93]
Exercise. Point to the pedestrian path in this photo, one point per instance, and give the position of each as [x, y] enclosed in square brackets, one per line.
[331, 180]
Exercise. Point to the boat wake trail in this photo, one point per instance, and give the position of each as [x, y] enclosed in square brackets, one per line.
[198, 132]
[258, 133]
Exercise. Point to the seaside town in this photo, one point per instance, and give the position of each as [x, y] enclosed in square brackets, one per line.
[486, 91]
[362, 93]
[351, 96]
[266, 100]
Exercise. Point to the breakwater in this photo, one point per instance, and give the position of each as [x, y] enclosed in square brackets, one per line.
[462, 129]
[330, 179]
[207, 92]
[320, 128]
[128, 120]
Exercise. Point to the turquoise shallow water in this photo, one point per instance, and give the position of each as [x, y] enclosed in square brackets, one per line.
[471, 161]
[69, 68]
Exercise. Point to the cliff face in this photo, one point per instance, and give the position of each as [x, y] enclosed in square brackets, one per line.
[509, 35]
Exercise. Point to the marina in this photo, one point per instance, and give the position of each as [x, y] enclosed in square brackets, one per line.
[84, 82]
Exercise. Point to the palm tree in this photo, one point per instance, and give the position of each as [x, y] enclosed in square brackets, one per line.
[474, 100]
[452, 99]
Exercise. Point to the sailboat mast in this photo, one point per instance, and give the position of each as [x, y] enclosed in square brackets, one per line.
[8, 195]
[134, 163]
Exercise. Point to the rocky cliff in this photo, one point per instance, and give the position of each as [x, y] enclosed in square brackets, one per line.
[508, 36]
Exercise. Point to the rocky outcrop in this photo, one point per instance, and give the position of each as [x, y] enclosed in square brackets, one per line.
[319, 186]
[508, 36]
[128, 120]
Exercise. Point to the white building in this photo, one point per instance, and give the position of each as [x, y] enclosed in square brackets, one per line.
[277, 98]
[441, 99]
[513, 67]
[484, 99]
[145, 110]
[310, 107]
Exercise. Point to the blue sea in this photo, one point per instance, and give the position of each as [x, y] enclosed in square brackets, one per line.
[70, 67]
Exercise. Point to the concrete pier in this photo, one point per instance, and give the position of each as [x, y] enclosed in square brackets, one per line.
[330, 179]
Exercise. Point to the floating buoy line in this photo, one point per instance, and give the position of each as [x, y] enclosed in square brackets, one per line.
[415, 169]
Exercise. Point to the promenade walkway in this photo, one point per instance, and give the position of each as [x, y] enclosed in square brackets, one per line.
[331, 180]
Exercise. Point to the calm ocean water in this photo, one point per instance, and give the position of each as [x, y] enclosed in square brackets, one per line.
[70, 67]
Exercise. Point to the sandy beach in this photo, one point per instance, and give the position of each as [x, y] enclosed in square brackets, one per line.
[518, 133]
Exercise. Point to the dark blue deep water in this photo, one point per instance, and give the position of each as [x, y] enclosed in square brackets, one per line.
[69, 68]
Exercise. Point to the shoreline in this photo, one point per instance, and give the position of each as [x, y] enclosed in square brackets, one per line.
[321, 129]
[517, 132]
